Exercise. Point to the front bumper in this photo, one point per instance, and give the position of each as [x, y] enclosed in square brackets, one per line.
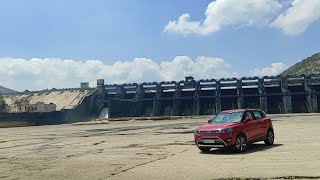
[214, 141]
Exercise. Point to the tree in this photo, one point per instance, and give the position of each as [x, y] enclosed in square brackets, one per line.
[3, 104]
[21, 103]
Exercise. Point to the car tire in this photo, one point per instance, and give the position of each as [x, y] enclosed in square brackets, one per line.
[269, 138]
[241, 144]
[204, 149]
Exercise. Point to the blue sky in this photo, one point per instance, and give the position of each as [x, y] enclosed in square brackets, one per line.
[130, 33]
[106, 30]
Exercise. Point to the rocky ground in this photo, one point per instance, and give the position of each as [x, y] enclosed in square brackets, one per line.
[155, 150]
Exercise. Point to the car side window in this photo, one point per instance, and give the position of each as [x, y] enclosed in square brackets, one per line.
[248, 114]
[257, 114]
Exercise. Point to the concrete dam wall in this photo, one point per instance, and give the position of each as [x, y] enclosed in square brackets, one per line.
[273, 94]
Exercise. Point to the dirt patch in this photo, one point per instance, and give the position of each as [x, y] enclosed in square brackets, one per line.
[177, 132]
[4, 177]
[282, 177]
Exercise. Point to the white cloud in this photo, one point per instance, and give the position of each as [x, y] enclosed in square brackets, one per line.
[184, 26]
[38, 74]
[201, 68]
[221, 13]
[291, 16]
[273, 70]
[298, 17]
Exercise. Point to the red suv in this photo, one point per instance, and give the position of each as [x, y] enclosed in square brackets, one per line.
[235, 129]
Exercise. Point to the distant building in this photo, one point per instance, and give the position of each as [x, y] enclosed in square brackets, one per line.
[84, 85]
[42, 107]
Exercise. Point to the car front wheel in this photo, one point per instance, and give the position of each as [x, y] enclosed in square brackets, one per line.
[270, 138]
[241, 144]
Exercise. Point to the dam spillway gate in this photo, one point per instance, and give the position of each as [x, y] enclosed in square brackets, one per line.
[273, 94]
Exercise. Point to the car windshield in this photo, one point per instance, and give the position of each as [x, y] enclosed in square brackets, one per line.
[224, 117]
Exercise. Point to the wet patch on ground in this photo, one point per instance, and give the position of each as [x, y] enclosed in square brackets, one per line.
[98, 143]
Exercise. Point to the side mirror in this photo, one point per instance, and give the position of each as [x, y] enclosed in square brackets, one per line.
[248, 119]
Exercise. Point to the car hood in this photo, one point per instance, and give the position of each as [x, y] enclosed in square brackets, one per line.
[216, 126]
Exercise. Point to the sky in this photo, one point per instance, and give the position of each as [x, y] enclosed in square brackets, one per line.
[48, 44]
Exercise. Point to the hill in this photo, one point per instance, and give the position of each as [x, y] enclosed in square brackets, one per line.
[4, 90]
[310, 65]
[63, 99]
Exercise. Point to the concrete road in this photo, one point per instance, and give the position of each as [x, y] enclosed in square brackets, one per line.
[156, 150]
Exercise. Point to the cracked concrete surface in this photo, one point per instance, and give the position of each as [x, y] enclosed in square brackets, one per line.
[156, 150]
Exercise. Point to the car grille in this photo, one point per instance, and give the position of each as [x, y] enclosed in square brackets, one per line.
[209, 131]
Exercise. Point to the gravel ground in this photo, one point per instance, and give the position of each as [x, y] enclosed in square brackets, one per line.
[156, 150]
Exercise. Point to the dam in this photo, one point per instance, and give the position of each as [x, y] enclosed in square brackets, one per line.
[272, 94]
[188, 97]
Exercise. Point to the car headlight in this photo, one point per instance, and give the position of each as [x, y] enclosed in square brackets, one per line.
[228, 130]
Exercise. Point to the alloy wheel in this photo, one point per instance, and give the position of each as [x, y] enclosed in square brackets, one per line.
[270, 137]
[241, 144]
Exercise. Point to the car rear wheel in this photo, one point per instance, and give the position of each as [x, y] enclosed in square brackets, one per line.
[270, 138]
[241, 144]
[204, 149]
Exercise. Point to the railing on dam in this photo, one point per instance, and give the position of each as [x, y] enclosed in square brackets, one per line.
[273, 94]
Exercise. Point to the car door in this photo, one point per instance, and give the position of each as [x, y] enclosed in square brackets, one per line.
[262, 123]
[250, 126]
